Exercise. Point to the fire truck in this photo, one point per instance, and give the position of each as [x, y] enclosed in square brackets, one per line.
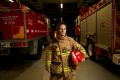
[22, 30]
[100, 30]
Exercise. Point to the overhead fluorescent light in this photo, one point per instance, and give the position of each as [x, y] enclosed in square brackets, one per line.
[61, 5]
[11, 0]
[61, 19]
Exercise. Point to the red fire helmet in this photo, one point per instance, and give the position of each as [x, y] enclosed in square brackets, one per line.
[77, 56]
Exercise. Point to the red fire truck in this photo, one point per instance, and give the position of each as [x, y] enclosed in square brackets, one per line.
[22, 30]
[100, 30]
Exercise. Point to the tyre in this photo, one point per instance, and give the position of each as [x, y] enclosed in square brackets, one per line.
[35, 49]
[91, 49]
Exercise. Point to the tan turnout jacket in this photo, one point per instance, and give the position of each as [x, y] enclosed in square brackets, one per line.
[58, 52]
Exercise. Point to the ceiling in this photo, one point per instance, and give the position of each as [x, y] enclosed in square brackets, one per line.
[52, 9]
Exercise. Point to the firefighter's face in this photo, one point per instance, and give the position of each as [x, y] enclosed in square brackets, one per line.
[62, 30]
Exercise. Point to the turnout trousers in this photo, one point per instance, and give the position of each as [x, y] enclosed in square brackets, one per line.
[69, 76]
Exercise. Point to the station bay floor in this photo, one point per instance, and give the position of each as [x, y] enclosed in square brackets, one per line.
[26, 69]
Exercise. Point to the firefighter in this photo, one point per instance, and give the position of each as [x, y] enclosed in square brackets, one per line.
[77, 33]
[57, 55]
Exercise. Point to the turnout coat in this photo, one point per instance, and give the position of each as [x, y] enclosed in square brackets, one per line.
[57, 55]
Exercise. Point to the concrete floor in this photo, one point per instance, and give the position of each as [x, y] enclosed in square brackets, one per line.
[90, 70]
[35, 70]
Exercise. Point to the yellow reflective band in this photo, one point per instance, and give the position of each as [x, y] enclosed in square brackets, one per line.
[57, 49]
[49, 52]
[49, 61]
[67, 53]
[84, 51]
[67, 69]
[59, 70]
[58, 53]
[64, 54]
[77, 46]
[48, 64]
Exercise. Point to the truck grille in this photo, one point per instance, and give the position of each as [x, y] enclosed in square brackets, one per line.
[4, 51]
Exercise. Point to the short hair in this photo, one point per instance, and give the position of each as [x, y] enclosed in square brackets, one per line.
[58, 25]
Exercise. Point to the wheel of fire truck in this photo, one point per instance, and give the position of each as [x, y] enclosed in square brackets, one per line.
[35, 47]
[90, 49]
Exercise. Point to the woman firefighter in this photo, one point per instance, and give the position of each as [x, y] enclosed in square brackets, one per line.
[58, 55]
